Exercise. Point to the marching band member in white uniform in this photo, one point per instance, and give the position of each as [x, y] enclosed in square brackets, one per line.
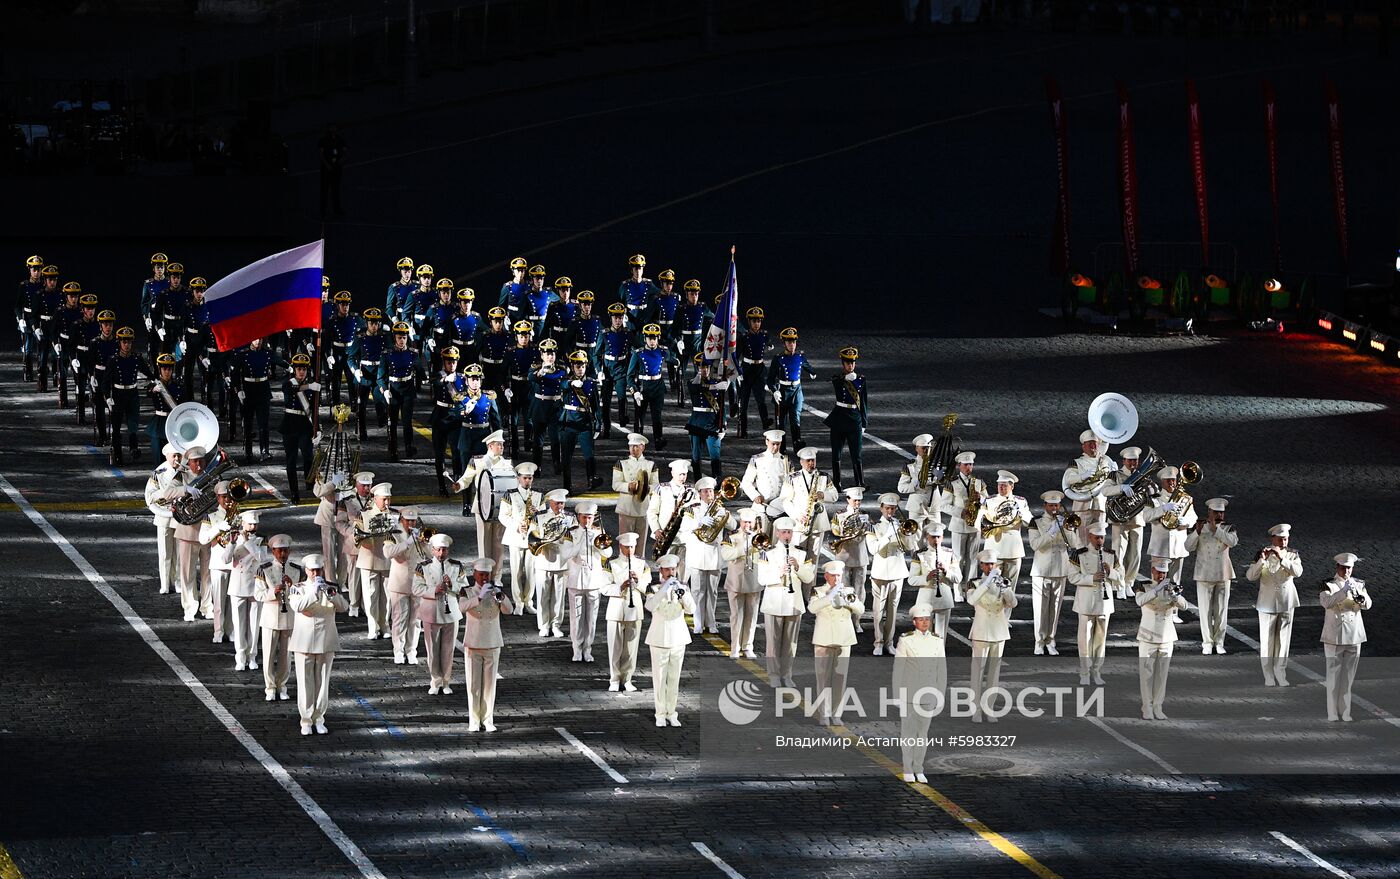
[887, 545]
[158, 498]
[667, 637]
[1274, 570]
[438, 584]
[782, 570]
[836, 607]
[272, 588]
[937, 573]
[347, 517]
[484, 604]
[519, 508]
[741, 584]
[626, 593]
[588, 572]
[192, 556]
[1211, 542]
[852, 553]
[764, 477]
[243, 556]
[634, 480]
[964, 492]
[1172, 521]
[217, 534]
[552, 565]
[407, 551]
[992, 597]
[664, 499]
[1015, 513]
[372, 563]
[920, 670]
[1156, 636]
[1089, 480]
[703, 562]
[1052, 543]
[796, 498]
[1343, 598]
[1127, 536]
[315, 602]
[1095, 581]
[488, 532]
[914, 485]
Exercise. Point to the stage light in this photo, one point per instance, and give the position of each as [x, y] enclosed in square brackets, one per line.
[1350, 331]
[1327, 321]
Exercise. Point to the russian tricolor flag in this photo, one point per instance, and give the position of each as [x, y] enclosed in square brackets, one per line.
[280, 292]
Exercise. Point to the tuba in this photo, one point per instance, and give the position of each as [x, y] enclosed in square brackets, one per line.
[193, 424]
[1141, 487]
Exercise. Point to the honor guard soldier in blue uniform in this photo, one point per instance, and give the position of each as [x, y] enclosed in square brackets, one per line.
[754, 349]
[465, 327]
[521, 361]
[46, 309]
[512, 297]
[166, 393]
[102, 349]
[615, 351]
[537, 301]
[252, 376]
[586, 335]
[562, 312]
[365, 357]
[84, 332]
[122, 392]
[492, 346]
[26, 311]
[298, 402]
[646, 379]
[151, 290]
[449, 386]
[435, 329]
[478, 414]
[663, 313]
[580, 419]
[173, 309]
[400, 291]
[202, 356]
[706, 424]
[417, 304]
[637, 293]
[398, 382]
[848, 418]
[785, 380]
[65, 326]
[694, 319]
[545, 383]
[337, 337]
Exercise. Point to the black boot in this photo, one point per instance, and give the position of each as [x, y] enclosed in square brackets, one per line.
[591, 468]
[135, 450]
[859, 469]
[836, 475]
[743, 425]
[715, 471]
[554, 458]
[537, 455]
[568, 470]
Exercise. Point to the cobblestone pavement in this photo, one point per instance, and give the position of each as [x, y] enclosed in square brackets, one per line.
[117, 769]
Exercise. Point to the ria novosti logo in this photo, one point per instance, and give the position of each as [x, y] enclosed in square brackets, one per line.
[740, 702]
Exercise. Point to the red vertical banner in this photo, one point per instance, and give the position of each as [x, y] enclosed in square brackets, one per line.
[1127, 183]
[1059, 245]
[1339, 186]
[1198, 168]
[1271, 141]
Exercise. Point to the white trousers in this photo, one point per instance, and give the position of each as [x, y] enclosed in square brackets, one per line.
[1011, 570]
[1128, 542]
[313, 685]
[780, 643]
[1213, 605]
[1154, 661]
[275, 666]
[166, 565]
[986, 669]
[1342, 660]
[522, 578]
[440, 639]
[549, 602]
[965, 545]
[1047, 597]
[330, 544]
[884, 609]
[623, 639]
[666, 679]
[352, 582]
[704, 587]
[832, 663]
[855, 578]
[245, 628]
[1093, 631]
[219, 599]
[375, 601]
[743, 619]
[1275, 636]
[583, 620]
[405, 628]
[638, 526]
[488, 541]
[193, 558]
[481, 665]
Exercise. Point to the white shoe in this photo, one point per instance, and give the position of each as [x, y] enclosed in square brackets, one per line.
[1205, 650]
[1346, 718]
[218, 639]
[166, 591]
[734, 654]
[826, 720]
[240, 666]
[860, 629]
[398, 659]
[613, 686]
[1332, 716]
[432, 689]
[306, 729]
[384, 635]
[909, 777]
[1098, 679]
[1050, 649]
[473, 727]
[920, 778]
[489, 726]
[588, 657]
[789, 682]
[890, 648]
[1147, 714]
[977, 718]
[272, 697]
[673, 720]
[413, 660]
[189, 619]
[544, 633]
[750, 654]
[1283, 682]
[879, 650]
[282, 694]
[321, 728]
[660, 721]
[1269, 682]
[1083, 680]
[558, 632]
[252, 665]
[774, 681]
[630, 687]
[1220, 649]
[446, 690]
[577, 658]
[1158, 713]
[1039, 649]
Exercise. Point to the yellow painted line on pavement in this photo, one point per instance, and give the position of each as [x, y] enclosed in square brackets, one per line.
[8, 870]
[928, 792]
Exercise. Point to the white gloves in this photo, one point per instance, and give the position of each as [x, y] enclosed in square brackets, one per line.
[637, 397]
[242, 397]
[575, 384]
[39, 333]
[148, 323]
[77, 364]
[192, 491]
[358, 374]
[312, 386]
[161, 333]
[316, 440]
[330, 360]
[204, 361]
[510, 395]
[22, 325]
[720, 435]
[388, 394]
[722, 385]
[777, 396]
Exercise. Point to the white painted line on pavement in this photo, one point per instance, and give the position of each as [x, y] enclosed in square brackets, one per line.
[1302, 850]
[279, 774]
[1099, 722]
[1307, 672]
[591, 755]
[271, 489]
[717, 861]
[908, 456]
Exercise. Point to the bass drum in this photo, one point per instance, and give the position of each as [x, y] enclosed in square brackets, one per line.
[491, 487]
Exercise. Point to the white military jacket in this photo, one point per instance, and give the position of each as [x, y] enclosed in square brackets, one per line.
[313, 628]
[266, 581]
[404, 557]
[742, 575]
[887, 547]
[764, 476]
[668, 628]
[1212, 548]
[1090, 598]
[351, 511]
[1343, 604]
[772, 565]
[158, 496]
[624, 473]
[513, 513]
[441, 609]
[699, 555]
[371, 555]
[798, 490]
[555, 557]
[854, 553]
[1157, 604]
[1082, 468]
[835, 624]
[1165, 543]
[589, 568]
[663, 504]
[1052, 544]
[483, 620]
[955, 500]
[1008, 544]
[627, 602]
[921, 570]
[1277, 593]
[991, 600]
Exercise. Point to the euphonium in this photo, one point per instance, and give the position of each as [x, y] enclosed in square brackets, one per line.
[551, 532]
[717, 512]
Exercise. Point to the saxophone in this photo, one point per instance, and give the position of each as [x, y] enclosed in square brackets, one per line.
[667, 535]
[925, 468]
[812, 502]
[974, 500]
